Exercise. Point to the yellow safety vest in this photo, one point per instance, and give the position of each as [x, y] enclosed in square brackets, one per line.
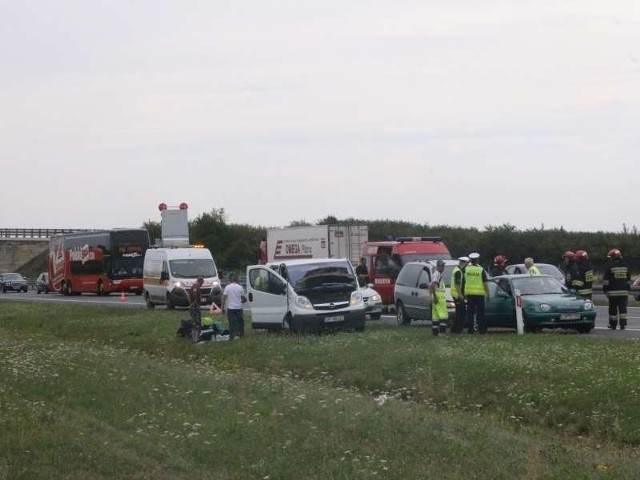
[473, 284]
[534, 270]
[454, 291]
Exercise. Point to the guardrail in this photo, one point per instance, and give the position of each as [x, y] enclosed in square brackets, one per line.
[36, 232]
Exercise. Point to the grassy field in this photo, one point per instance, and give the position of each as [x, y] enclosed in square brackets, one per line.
[111, 393]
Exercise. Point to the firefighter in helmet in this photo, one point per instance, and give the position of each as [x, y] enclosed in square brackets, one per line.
[582, 280]
[499, 266]
[567, 266]
[615, 284]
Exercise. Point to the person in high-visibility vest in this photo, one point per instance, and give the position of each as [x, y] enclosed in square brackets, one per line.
[475, 289]
[532, 269]
[439, 313]
[456, 294]
[615, 284]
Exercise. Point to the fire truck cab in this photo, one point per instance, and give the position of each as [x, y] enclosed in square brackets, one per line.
[386, 258]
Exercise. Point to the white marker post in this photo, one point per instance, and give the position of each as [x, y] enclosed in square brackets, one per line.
[519, 319]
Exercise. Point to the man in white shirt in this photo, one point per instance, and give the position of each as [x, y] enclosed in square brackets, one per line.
[232, 300]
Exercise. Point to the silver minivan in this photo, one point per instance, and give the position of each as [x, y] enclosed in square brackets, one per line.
[411, 291]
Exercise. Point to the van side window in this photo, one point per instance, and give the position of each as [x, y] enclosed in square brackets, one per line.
[265, 281]
[424, 278]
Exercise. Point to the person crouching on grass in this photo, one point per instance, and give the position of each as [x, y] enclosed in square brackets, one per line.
[194, 309]
[232, 300]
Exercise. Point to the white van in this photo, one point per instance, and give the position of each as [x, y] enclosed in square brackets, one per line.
[309, 294]
[169, 272]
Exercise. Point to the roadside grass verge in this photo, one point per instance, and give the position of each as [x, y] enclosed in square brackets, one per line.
[91, 392]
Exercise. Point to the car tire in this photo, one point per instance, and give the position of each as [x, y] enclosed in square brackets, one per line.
[584, 329]
[401, 315]
[375, 316]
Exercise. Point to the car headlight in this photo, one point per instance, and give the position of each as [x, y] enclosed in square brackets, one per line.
[588, 305]
[356, 298]
[304, 302]
[215, 283]
[375, 298]
[545, 307]
[178, 285]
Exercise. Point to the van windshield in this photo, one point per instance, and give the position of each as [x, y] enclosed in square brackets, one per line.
[193, 267]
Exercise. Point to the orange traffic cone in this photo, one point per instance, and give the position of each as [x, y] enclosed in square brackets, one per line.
[123, 298]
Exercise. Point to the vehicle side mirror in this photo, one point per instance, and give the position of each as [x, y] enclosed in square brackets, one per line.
[164, 275]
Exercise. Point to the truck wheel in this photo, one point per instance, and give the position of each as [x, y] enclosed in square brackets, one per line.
[401, 315]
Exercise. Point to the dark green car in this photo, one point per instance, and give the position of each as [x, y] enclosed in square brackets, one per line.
[546, 303]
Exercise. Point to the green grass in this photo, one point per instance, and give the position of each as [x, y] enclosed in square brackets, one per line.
[96, 392]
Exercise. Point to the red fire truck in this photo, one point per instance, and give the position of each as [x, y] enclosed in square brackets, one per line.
[386, 258]
[100, 261]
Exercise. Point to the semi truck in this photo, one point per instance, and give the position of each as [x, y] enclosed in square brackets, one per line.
[314, 241]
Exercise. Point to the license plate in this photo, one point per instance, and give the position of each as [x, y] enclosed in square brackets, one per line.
[570, 316]
[337, 318]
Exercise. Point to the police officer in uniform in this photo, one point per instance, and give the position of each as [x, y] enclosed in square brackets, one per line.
[439, 313]
[456, 294]
[474, 289]
[615, 284]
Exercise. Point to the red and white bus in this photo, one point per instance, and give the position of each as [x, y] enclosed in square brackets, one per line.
[100, 261]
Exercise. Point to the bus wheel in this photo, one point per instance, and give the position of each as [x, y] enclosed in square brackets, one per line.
[170, 305]
[101, 291]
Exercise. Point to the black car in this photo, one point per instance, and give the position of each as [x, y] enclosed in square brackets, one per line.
[13, 282]
[42, 283]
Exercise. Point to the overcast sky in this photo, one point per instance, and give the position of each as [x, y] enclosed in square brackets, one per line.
[464, 112]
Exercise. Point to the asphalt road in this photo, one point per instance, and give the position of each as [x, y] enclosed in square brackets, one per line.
[136, 301]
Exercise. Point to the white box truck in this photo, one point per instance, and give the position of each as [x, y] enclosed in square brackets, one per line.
[315, 241]
[306, 294]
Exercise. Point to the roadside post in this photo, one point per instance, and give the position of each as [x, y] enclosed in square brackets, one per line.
[519, 319]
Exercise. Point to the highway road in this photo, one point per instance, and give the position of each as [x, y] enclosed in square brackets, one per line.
[135, 301]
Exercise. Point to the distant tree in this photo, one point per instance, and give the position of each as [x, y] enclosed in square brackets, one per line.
[299, 223]
[328, 220]
[154, 229]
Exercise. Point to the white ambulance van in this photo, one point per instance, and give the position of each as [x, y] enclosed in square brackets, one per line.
[170, 272]
[304, 295]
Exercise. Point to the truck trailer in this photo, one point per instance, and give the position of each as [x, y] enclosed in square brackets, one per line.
[314, 241]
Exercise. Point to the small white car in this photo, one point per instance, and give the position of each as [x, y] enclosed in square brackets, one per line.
[373, 301]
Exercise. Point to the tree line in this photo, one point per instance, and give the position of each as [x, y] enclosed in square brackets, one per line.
[234, 246]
